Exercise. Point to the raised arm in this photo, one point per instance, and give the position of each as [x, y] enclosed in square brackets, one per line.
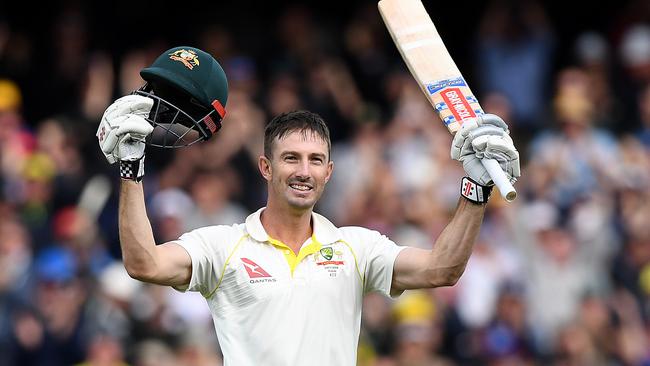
[485, 137]
[165, 264]
[121, 135]
[445, 263]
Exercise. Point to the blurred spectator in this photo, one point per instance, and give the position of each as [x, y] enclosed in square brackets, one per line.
[112, 307]
[15, 279]
[153, 353]
[377, 325]
[16, 141]
[508, 337]
[15, 259]
[578, 159]
[368, 62]
[593, 56]
[211, 192]
[199, 350]
[74, 230]
[634, 255]
[169, 209]
[129, 76]
[62, 81]
[417, 332]
[514, 58]
[577, 348]
[634, 56]
[556, 271]
[478, 290]
[10, 96]
[635, 53]
[596, 318]
[631, 341]
[644, 116]
[153, 316]
[35, 197]
[98, 89]
[358, 163]
[283, 95]
[104, 351]
[58, 335]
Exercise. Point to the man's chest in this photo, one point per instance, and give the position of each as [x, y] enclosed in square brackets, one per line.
[262, 273]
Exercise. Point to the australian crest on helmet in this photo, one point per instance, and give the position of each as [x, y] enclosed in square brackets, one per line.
[189, 58]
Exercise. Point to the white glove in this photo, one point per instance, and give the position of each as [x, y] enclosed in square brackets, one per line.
[487, 136]
[123, 128]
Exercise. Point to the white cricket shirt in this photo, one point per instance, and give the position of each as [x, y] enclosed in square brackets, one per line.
[272, 307]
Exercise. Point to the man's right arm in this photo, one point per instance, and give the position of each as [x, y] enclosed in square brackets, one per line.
[165, 264]
[121, 135]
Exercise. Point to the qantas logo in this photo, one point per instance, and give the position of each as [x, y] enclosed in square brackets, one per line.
[254, 270]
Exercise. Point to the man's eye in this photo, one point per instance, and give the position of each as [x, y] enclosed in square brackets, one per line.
[290, 158]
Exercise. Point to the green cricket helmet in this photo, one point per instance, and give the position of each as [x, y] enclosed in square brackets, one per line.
[190, 91]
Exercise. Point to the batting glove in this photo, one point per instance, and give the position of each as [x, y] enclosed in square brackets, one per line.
[487, 136]
[122, 133]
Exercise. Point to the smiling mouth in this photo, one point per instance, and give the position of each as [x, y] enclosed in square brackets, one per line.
[301, 187]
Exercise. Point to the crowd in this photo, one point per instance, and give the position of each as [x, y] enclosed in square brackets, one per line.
[559, 277]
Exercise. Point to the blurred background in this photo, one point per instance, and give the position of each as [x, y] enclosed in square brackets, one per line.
[559, 277]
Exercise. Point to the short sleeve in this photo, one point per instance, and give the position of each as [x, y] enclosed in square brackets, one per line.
[204, 250]
[380, 259]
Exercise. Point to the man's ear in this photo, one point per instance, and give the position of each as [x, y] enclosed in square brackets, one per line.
[264, 164]
[330, 169]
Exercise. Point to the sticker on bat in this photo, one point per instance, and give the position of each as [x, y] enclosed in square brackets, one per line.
[441, 106]
[448, 120]
[442, 84]
[457, 103]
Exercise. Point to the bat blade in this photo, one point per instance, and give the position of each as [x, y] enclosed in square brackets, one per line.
[430, 63]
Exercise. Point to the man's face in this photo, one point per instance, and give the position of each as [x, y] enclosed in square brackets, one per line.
[298, 169]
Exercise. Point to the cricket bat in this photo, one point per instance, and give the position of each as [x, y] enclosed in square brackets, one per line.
[431, 64]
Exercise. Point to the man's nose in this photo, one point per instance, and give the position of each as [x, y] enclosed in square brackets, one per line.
[303, 169]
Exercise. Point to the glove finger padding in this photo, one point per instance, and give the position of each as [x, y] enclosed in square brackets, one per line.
[467, 147]
[458, 145]
[487, 124]
[492, 119]
[486, 131]
[135, 126]
[502, 150]
[129, 104]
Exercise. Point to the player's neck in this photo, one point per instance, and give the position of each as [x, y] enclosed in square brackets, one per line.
[291, 227]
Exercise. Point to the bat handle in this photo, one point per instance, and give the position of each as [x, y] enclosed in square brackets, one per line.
[500, 180]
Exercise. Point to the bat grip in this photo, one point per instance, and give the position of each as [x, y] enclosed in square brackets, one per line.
[500, 180]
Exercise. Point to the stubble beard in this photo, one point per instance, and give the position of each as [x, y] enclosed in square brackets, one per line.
[300, 202]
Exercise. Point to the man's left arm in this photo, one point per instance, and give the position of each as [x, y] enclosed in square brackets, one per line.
[445, 263]
[485, 137]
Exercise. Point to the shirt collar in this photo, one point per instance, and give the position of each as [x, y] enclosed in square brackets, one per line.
[324, 231]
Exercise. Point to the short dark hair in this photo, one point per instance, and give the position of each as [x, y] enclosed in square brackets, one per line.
[301, 121]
